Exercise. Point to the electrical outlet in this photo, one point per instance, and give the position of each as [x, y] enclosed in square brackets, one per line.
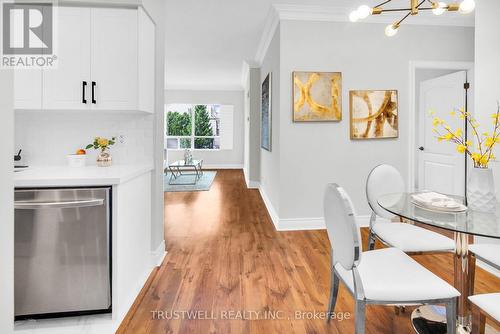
[121, 139]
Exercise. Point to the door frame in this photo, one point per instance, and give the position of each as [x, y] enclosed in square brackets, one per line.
[438, 65]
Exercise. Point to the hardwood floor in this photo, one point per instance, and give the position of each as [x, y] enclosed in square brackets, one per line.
[225, 255]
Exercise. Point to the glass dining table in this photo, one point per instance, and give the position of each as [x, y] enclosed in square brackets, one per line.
[464, 225]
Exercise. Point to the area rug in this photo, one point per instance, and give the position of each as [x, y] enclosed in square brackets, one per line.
[203, 184]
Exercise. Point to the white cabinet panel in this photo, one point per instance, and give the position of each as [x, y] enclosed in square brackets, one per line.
[28, 89]
[64, 86]
[114, 69]
[146, 73]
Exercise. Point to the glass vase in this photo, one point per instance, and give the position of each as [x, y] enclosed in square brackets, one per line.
[104, 159]
[481, 194]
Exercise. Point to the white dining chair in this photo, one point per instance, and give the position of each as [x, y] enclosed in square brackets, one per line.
[385, 276]
[485, 304]
[488, 253]
[385, 179]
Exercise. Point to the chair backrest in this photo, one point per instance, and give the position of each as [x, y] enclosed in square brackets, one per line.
[341, 227]
[383, 179]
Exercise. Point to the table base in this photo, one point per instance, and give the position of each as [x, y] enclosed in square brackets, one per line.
[429, 319]
[177, 171]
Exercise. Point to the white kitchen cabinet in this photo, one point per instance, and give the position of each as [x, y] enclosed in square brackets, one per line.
[105, 63]
[68, 85]
[114, 61]
[146, 62]
[28, 89]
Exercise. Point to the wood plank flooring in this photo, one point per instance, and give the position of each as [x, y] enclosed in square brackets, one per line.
[225, 255]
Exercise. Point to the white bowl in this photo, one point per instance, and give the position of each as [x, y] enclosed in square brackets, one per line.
[76, 160]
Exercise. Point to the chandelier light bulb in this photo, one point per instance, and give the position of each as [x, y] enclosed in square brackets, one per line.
[467, 6]
[364, 11]
[391, 30]
[354, 16]
[440, 8]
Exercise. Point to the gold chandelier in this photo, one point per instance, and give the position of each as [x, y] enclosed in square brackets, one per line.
[437, 8]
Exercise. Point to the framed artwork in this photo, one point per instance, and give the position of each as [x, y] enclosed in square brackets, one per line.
[373, 114]
[317, 96]
[266, 114]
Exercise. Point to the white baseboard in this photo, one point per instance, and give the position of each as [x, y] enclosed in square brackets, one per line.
[270, 208]
[300, 224]
[223, 166]
[158, 255]
[253, 185]
[317, 223]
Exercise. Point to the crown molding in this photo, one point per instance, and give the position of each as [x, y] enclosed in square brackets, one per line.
[341, 14]
[272, 23]
[245, 71]
[235, 87]
[283, 12]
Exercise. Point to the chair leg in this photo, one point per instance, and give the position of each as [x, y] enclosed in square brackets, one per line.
[360, 317]
[334, 291]
[451, 316]
[478, 321]
[371, 240]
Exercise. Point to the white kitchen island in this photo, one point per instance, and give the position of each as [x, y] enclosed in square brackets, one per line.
[131, 256]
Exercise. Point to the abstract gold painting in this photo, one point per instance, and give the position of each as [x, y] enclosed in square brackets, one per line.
[374, 114]
[317, 96]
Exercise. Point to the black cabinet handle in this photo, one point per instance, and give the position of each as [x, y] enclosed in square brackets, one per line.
[84, 88]
[93, 92]
[421, 148]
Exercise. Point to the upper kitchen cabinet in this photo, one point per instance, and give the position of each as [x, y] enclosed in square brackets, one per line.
[66, 87]
[105, 63]
[28, 89]
[146, 62]
[114, 60]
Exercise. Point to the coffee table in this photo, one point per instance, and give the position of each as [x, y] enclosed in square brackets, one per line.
[181, 167]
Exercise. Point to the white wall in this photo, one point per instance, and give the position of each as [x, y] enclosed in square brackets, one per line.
[487, 72]
[254, 125]
[270, 161]
[46, 138]
[6, 203]
[156, 8]
[315, 154]
[487, 67]
[219, 158]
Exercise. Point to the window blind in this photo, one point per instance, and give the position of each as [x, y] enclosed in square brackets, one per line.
[226, 127]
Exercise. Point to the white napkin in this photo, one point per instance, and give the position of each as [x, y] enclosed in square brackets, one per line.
[436, 200]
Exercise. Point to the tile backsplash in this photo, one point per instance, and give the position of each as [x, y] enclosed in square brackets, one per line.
[47, 137]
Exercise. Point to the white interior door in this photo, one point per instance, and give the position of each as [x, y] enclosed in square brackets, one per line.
[440, 167]
[68, 85]
[114, 58]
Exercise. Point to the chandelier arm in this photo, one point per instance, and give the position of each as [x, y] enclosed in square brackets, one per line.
[383, 3]
[403, 9]
[397, 24]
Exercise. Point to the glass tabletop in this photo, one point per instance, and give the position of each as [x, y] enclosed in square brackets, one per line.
[486, 224]
[182, 163]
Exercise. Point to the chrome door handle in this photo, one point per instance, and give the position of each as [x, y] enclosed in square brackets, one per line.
[32, 205]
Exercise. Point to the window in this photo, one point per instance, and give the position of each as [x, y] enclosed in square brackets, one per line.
[198, 126]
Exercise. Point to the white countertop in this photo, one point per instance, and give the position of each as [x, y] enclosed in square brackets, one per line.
[52, 176]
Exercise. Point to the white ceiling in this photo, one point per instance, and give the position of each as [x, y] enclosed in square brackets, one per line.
[208, 40]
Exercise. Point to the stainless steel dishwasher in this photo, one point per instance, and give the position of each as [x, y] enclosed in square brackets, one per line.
[62, 263]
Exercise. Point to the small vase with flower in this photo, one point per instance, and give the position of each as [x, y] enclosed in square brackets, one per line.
[104, 158]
